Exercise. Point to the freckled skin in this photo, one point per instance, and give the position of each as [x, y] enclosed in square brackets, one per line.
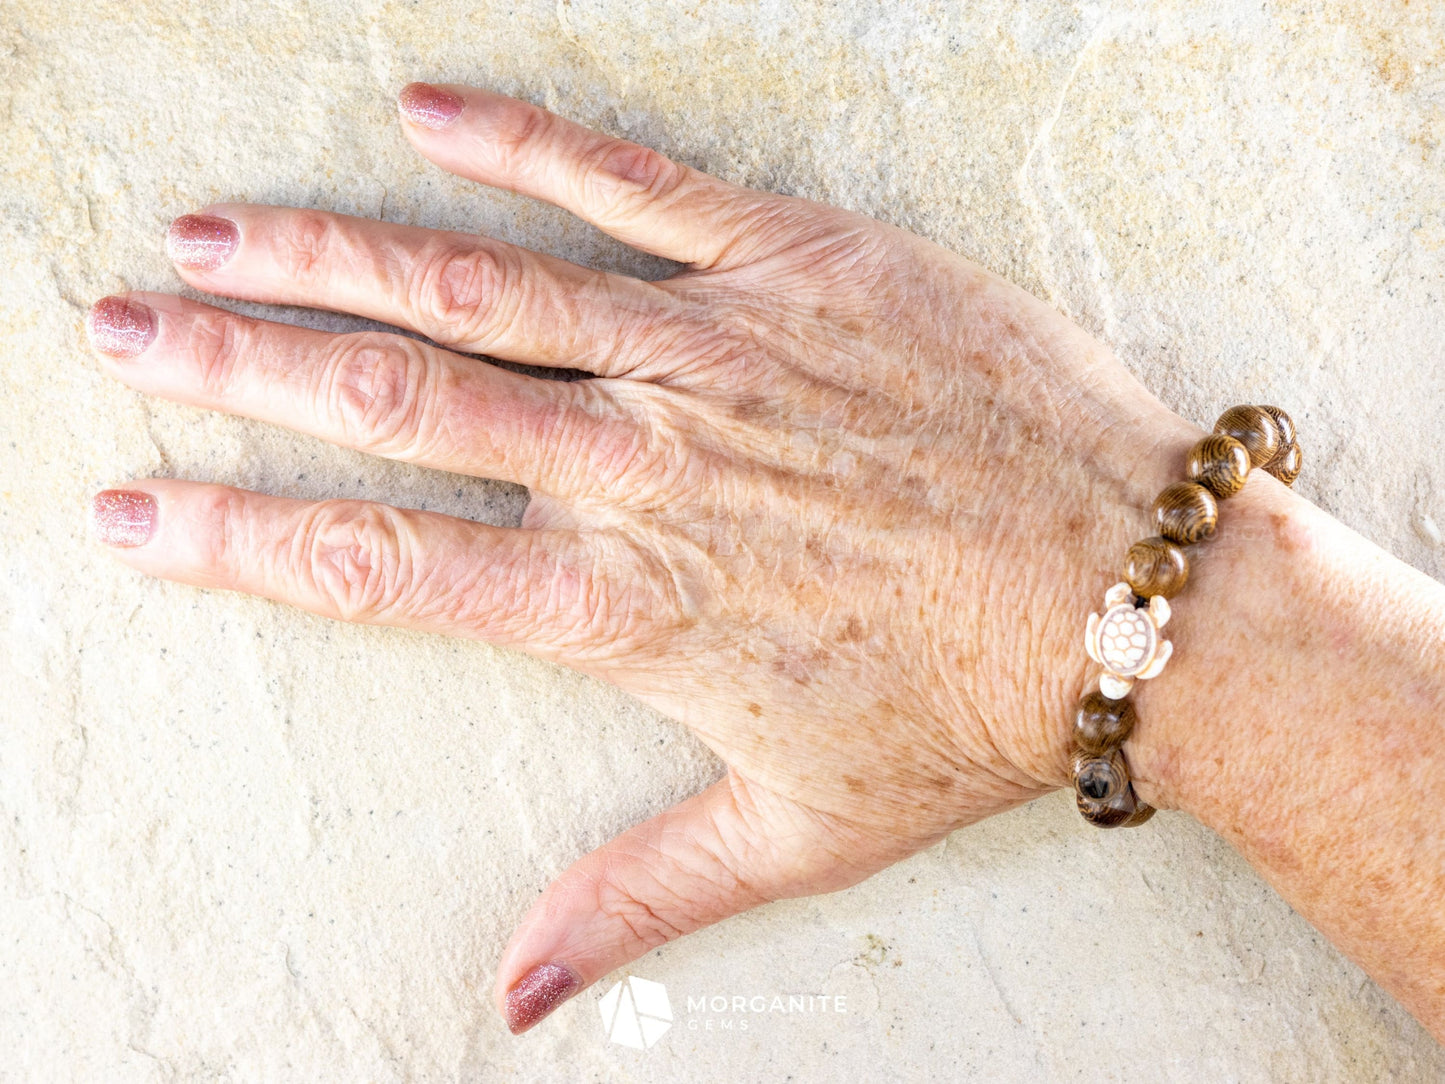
[838, 500]
[824, 593]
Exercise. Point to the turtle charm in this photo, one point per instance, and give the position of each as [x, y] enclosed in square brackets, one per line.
[1125, 640]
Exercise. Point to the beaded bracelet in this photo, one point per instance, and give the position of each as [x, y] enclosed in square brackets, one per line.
[1125, 638]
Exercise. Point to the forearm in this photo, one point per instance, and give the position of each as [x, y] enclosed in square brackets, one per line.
[1302, 719]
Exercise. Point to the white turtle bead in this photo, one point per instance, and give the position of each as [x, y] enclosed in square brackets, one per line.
[1115, 687]
[1126, 639]
[1121, 592]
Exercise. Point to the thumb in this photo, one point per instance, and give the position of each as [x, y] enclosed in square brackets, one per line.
[732, 847]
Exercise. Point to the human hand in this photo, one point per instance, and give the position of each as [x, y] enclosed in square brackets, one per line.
[836, 499]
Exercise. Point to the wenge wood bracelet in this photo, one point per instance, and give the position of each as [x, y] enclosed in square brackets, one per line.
[1125, 639]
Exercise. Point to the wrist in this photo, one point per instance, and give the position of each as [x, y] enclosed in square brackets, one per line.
[1255, 592]
[1247, 592]
[1298, 633]
[1247, 595]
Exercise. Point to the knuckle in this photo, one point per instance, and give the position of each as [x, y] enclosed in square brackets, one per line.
[214, 345]
[552, 429]
[738, 343]
[222, 541]
[623, 461]
[458, 290]
[622, 175]
[596, 611]
[652, 463]
[535, 597]
[659, 896]
[584, 610]
[302, 243]
[507, 603]
[522, 130]
[649, 924]
[647, 335]
[854, 254]
[381, 391]
[560, 596]
[625, 619]
[625, 604]
[354, 557]
[600, 445]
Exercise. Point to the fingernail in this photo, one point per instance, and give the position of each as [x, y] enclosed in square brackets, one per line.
[429, 106]
[124, 517]
[538, 992]
[120, 327]
[202, 242]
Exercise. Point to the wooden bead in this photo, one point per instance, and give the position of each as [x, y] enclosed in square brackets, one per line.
[1253, 428]
[1284, 423]
[1286, 465]
[1186, 513]
[1124, 810]
[1156, 566]
[1100, 777]
[1220, 464]
[1101, 724]
[1142, 811]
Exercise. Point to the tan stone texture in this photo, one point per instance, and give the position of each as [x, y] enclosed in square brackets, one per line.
[241, 843]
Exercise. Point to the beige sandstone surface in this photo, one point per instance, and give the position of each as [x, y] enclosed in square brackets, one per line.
[241, 843]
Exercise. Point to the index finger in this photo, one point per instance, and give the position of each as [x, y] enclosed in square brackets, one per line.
[632, 192]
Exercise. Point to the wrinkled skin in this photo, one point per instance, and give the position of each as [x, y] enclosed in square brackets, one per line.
[835, 498]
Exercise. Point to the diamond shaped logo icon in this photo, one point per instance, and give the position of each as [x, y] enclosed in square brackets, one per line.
[636, 1012]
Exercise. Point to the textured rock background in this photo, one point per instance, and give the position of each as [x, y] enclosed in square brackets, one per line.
[239, 842]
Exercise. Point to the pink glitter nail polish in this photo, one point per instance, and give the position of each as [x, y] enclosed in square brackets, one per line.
[124, 517]
[538, 992]
[429, 106]
[202, 242]
[120, 327]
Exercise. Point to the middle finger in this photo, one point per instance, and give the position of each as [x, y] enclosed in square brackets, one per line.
[462, 290]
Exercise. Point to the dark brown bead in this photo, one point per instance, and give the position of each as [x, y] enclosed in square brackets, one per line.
[1101, 724]
[1156, 566]
[1283, 422]
[1253, 428]
[1142, 812]
[1100, 777]
[1124, 810]
[1286, 465]
[1220, 464]
[1186, 513]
